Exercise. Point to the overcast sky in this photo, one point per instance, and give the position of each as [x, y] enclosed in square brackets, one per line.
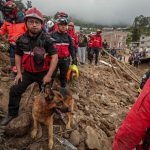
[98, 11]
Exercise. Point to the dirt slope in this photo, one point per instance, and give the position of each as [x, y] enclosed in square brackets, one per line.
[102, 100]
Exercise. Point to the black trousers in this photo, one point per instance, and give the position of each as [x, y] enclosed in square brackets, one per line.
[17, 90]
[91, 53]
[63, 66]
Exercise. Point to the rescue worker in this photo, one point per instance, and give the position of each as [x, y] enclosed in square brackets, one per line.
[136, 125]
[1, 18]
[113, 52]
[74, 36]
[10, 11]
[65, 48]
[136, 60]
[13, 28]
[105, 46]
[97, 44]
[131, 57]
[90, 49]
[36, 52]
[50, 25]
[144, 80]
[20, 15]
[82, 47]
[56, 18]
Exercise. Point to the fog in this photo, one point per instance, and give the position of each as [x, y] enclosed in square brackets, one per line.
[97, 11]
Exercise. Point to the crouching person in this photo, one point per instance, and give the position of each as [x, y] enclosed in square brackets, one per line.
[35, 50]
[135, 127]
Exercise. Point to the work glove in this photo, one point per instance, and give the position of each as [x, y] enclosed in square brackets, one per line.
[72, 72]
[139, 90]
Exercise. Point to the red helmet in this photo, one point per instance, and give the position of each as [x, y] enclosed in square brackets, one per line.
[34, 13]
[71, 24]
[62, 14]
[10, 4]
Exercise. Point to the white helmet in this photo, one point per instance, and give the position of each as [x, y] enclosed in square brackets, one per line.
[50, 24]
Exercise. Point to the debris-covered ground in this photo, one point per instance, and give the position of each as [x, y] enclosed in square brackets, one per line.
[103, 96]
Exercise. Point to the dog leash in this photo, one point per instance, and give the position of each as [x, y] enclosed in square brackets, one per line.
[62, 116]
[43, 88]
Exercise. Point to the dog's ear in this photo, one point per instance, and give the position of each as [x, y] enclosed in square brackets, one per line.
[49, 94]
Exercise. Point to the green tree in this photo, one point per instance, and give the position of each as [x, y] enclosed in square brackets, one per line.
[129, 38]
[141, 25]
[136, 34]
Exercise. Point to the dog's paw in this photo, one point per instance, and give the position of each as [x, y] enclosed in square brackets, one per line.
[68, 126]
[50, 144]
[34, 133]
[39, 134]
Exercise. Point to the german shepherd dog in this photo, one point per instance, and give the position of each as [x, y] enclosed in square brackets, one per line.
[44, 107]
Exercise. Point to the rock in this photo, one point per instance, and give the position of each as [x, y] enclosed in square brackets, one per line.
[66, 136]
[18, 126]
[92, 140]
[122, 94]
[103, 140]
[82, 95]
[108, 125]
[20, 142]
[5, 79]
[75, 96]
[1, 92]
[87, 108]
[82, 146]
[36, 146]
[75, 138]
[91, 117]
[105, 112]
[96, 119]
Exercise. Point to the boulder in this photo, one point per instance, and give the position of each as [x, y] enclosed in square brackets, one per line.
[82, 146]
[19, 126]
[92, 140]
[75, 138]
[103, 140]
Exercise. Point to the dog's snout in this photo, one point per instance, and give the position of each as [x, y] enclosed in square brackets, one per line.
[69, 109]
[65, 109]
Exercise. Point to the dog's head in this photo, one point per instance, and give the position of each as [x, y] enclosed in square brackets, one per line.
[55, 100]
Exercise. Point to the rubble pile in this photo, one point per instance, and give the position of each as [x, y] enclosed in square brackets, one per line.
[102, 100]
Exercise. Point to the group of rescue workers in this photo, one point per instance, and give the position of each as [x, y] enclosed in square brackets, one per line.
[134, 58]
[44, 47]
[41, 48]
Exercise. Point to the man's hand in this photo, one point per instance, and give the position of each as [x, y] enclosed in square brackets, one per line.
[46, 79]
[13, 43]
[18, 78]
